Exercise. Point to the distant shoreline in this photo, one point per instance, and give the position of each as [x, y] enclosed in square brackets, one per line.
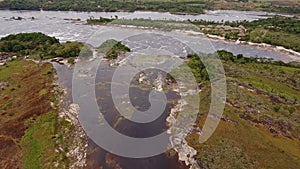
[192, 7]
[292, 53]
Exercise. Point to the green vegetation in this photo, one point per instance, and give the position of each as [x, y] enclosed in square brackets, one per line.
[26, 97]
[198, 68]
[71, 60]
[275, 23]
[112, 48]
[46, 142]
[288, 6]
[100, 21]
[39, 46]
[280, 31]
[86, 51]
[38, 145]
[277, 30]
[30, 127]
[178, 6]
[181, 6]
[166, 25]
[260, 127]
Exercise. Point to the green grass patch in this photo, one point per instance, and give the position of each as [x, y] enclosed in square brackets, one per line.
[261, 90]
[166, 25]
[37, 144]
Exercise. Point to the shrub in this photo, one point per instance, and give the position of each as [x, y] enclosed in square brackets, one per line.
[276, 108]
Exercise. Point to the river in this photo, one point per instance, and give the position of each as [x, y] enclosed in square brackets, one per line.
[56, 23]
[70, 26]
[96, 156]
[66, 27]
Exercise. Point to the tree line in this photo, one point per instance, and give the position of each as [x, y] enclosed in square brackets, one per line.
[39, 45]
[276, 30]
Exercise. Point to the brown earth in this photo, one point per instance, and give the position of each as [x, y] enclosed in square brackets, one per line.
[285, 3]
[27, 97]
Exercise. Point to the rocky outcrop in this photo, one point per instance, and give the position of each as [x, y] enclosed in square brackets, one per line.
[3, 85]
[179, 130]
[77, 148]
[5, 58]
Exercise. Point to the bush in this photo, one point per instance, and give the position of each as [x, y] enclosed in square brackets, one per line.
[86, 52]
[112, 54]
[71, 60]
[276, 108]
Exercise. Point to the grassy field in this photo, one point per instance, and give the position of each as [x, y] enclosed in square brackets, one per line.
[26, 97]
[260, 127]
[31, 134]
[38, 146]
[45, 143]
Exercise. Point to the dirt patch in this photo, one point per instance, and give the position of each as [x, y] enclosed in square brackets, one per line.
[285, 3]
[274, 126]
[9, 147]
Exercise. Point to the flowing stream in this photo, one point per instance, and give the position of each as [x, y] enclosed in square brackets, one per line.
[71, 26]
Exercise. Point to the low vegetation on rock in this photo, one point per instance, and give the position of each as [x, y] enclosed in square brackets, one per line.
[112, 48]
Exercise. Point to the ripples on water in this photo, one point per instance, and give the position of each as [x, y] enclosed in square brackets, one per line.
[58, 24]
[96, 156]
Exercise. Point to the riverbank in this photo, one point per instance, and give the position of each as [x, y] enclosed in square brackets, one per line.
[32, 106]
[23, 98]
[65, 30]
[289, 53]
[192, 153]
[280, 34]
[295, 56]
[36, 129]
[75, 137]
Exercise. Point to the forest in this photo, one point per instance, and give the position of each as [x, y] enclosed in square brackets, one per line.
[177, 6]
[110, 5]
